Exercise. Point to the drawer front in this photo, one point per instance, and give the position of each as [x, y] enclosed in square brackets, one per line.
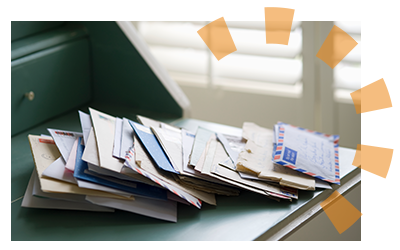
[20, 29]
[58, 77]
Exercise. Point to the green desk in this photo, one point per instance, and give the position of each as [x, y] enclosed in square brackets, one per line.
[249, 216]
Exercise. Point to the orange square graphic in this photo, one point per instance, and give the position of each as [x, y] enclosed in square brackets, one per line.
[218, 39]
[375, 160]
[372, 97]
[375, 96]
[356, 96]
[278, 24]
[357, 157]
[340, 211]
[336, 46]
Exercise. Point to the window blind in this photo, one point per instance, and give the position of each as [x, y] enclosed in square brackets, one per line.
[347, 74]
[179, 48]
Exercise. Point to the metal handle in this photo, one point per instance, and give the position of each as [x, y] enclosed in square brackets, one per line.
[30, 95]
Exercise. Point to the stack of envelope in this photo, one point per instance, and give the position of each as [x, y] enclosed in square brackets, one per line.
[149, 167]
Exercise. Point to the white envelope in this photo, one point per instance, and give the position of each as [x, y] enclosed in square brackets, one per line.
[117, 137]
[57, 171]
[171, 142]
[233, 145]
[163, 210]
[200, 142]
[72, 156]
[86, 125]
[147, 165]
[90, 155]
[104, 129]
[187, 144]
[126, 138]
[34, 202]
[64, 140]
[94, 186]
[148, 122]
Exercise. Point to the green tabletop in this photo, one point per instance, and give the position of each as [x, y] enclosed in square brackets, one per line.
[245, 217]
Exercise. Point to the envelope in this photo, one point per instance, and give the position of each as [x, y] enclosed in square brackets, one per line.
[152, 147]
[70, 165]
[288, 177]
[233, 145]
[200, 163]
[64, 140]
[272, 190]
[255, 133]
[34, 202]
[117, 138]
[160, 180]
[256, 159]
[148, 122]
[86, 125]
[200, 141]
[104, 129]
[163, 210]
[91, 154]
[196, 177]
[211, 167]
[171, 142]
[135, 188]
[126, 138]
[253, 159]
[308, 152]
[94, 186]
[37, 192]
[187, 144]
[45, 152]
[56, 170]
[191, 195]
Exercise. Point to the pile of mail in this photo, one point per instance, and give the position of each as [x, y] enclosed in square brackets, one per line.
[148, 167]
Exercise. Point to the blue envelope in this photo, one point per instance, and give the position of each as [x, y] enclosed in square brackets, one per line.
[141, 189]
[152, 146]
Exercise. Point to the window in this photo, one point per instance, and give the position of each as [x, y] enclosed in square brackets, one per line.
[347, 74]
[253, 67]
[263, 83]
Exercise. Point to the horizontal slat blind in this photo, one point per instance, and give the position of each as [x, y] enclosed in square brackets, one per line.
[180, 49]
[347, 74]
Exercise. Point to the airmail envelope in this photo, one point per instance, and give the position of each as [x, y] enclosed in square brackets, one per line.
[312, 153]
